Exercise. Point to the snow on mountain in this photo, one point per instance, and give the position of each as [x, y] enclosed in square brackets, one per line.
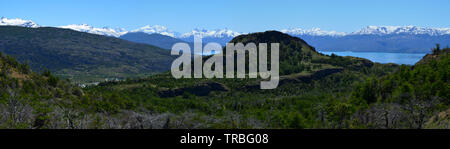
[219, 33]
[226, 33]
[372, 30]
[17, 22]
[100, 31]
[312, 32]
[155, 29]
[385, 30]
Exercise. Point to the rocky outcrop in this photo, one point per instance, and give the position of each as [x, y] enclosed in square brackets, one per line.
[300, 79]
[308, 78]
[202, 89]
[436, 55]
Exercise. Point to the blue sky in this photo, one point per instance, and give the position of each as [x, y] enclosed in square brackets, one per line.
[237, 15]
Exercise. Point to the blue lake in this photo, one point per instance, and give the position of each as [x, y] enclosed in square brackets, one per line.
[380, 57]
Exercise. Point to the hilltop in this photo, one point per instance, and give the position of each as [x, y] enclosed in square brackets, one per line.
[297, 56]
[436, 54]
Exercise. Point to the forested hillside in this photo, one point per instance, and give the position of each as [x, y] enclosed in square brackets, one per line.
[30, 100]
[410, 96]
[82, 57]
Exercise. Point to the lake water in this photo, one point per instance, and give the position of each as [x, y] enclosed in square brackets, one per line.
[380, 57]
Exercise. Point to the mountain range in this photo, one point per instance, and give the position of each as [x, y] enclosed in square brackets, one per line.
[399, 39]
[373, 30]
[395, 39]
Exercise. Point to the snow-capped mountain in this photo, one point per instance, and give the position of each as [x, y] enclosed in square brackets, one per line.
[372, 30]
[402, 39]
[119, 32]
[156, 29]
[219, 33]
[312, 32]
[221, 36]
[17, 22]
[414, 30]
[226, 33]
[100, 31]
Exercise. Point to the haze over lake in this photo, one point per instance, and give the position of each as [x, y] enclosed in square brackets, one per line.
[382, 57]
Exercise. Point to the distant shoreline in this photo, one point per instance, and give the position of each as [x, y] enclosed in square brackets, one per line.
[382, 57]
[375, 52]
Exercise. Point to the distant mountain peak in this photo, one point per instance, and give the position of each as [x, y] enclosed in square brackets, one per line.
[17, 22]
[218, 33]
[312, 32]
[372, 30]
[100, 31]
[155, 29]
[414, 30]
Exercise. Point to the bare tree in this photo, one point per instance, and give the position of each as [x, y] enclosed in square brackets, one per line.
[419, 111]
[15, 113]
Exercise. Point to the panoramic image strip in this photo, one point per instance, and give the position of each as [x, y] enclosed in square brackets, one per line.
[247, 70]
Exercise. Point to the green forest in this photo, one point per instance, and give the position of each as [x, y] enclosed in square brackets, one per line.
[82, 57]
[315, 91]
